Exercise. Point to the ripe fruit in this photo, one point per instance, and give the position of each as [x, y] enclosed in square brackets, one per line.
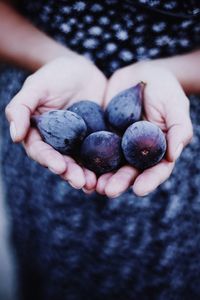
[92, 114]
[62, 129]
[125, 108]
[143, 144]
[101, 152]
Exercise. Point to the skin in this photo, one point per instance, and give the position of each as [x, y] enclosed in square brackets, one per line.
[41, 93]
[53, 86]
[167, 107]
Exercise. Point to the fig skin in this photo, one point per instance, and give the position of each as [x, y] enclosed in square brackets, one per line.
[101, 152]
[125, 108]
[143, 145]
[62, 129]
[92, 114]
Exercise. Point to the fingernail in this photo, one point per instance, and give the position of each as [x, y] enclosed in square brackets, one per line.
[53, 170]
[178, 151]
[87, 191]
[146, 194]
[13, 131]
[113, 197]
[143, 194]
[73, 185]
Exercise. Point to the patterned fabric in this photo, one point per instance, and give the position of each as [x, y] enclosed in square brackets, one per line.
[116, 33]
[71, 246]
[182, 8]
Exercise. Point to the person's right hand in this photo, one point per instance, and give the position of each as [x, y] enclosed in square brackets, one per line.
[164, 104]
[56, 85]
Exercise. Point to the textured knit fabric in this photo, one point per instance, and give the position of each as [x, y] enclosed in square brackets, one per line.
[71, 246]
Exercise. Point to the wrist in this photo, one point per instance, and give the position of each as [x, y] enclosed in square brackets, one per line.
[150, 69]
[44, 51]
[29, 47]
[185, 68]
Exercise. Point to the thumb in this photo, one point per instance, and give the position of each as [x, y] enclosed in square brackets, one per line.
[19, 110]
[180, 132]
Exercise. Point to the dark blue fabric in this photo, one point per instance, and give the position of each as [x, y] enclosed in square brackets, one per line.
[115, 33]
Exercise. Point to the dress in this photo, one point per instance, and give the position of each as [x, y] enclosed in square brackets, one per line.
[71, 246]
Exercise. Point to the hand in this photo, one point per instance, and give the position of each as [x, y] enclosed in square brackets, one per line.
[165, 105]
[56, 85]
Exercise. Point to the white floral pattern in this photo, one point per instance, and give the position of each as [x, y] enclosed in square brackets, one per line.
[113, 31]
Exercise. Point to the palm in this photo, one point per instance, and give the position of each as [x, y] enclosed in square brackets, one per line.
[153, 109]
[61, 83]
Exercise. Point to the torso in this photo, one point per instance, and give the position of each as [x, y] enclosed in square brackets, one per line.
[116, 33]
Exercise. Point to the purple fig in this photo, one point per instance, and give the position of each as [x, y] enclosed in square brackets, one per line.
[125, 108]
[62, 129]
[101, 152]
[143, 144]
[92, 114]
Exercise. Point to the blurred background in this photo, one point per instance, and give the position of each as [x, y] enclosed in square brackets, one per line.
[7, 280]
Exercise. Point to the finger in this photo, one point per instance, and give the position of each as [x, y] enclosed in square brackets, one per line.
[180, 132]
[151, 178]
[120, 181]
[101, 183]
[88, 192]
[18, 113]
[91, 180]
[74, 174]
[43, 153]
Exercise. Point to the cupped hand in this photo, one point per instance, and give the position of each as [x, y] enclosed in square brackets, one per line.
[56, 85]
[166, 105]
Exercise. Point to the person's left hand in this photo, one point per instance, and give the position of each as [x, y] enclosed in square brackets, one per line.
[56, 85]
[166, 105]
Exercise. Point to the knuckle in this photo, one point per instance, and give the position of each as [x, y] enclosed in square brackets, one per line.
[190, 134]
[8, 111]
[32, 87]
[187, 103]
[118, 74]
[28, 151]
[28, 81]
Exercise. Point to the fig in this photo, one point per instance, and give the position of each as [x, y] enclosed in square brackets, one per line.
[92, 114]
[101, 152]
[143, 144]
[125, 108]
[62, 129]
